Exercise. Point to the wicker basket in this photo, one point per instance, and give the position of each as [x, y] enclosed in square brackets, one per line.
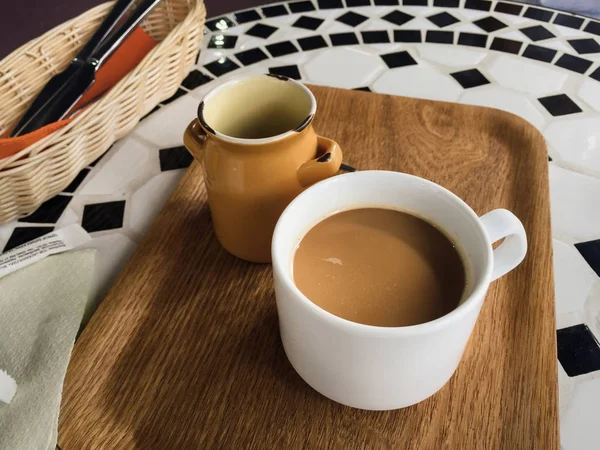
[45, 168]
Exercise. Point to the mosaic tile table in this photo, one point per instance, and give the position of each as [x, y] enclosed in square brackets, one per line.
[540, 64]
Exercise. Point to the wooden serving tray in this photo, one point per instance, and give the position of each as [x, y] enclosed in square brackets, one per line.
[184, 352]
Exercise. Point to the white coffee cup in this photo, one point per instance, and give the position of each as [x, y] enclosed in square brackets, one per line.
[380, 368]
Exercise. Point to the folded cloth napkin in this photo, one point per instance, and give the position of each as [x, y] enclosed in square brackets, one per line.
[41, 307]
[122, 61]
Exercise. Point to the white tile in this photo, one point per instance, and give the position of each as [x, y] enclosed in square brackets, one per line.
[514, 20]
[329, 13]
[378, 24]
[146, 202]
[590, 93]
[467, 28]
[573, 278]
[510, 34]
[210, 55]
[335, 27]
[381, 49]
[526, 76]
[420, 23]
[556, 45]
[125, 163]
[566, 385]
[451, 56]
[419, 82]
[343, 67]
[165, 127]
[579, 425]
[473, 14]
[112, 253]
[506, 100]
[293, 33]
[68, 217]
[577, 142]
[244, 42]
[570, 33]
[574, 205]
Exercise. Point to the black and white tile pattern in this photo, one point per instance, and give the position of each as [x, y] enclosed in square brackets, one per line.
[540, 64]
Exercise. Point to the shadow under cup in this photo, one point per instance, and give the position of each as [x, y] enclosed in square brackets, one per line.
[257, 107]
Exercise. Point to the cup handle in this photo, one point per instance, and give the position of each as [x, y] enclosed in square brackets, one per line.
[194, 139]
[322, 167]
[499, 224]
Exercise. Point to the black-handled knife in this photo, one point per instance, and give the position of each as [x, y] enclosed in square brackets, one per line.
[57, 81]
[84, 74]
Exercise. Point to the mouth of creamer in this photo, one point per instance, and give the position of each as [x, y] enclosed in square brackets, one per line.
[257, 107]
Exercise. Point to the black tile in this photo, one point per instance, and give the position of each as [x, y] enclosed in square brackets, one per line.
[568, 21]
[537, 33]
[281, 48]
[246, 16]
[330, 4]
[385, 2]
[490, 24]
[539, 53]
[175, 96]
[443, 19]
[573, 63]
[251, 56]
[375, 37]
[538, 14]
[222, 41]
[343, 39]
[288, 71]
[398, 59]
[261, 30]
[472, 39]
[578, 350]
[103, 216]
[596, 74]
[303, 6]
[398, 18]
[414, 2]
[591, 253]
[351, 18]
[593, 27]
[506, 45]
[308, 23]
[221, 66]
[439, 37]
[559, 105]
[274, 11]
[49, 211]
[508, 8]
[219, 24]
[446, 3]
[407, 35]
[351, 3]
[585, 46]
[195, 79]
[174, 158]
[72, 187]
[312, 43]
[479, 5]
[22, 235]
[470, 78]
[365, 88]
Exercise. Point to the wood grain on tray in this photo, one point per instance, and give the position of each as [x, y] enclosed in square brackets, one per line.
[184, 352]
